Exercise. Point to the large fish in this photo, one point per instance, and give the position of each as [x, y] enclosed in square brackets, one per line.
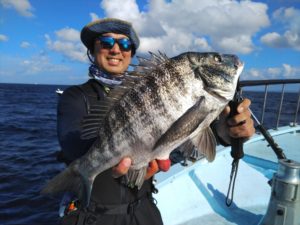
[164, 103]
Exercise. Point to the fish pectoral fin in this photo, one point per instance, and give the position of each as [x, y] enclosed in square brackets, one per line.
[70, 181]
[135, 178]
[184, 126]
[206, 143]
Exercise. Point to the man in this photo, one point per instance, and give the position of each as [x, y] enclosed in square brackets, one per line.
[111, 44]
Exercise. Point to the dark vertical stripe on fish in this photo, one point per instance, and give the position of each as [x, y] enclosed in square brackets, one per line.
[153, 86]
[108, 133]
[136, 99]
[121, 116]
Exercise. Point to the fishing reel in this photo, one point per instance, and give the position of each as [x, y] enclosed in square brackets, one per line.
[284, 204]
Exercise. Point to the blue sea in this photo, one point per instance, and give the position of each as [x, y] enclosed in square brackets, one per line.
[29, 144]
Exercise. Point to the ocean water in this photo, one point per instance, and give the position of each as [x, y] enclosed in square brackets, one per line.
[29, 144]
[27, 154]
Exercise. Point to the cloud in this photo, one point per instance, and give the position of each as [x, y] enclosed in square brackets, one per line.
[40, 68]
[18, 69]
[39, 64]
[128, 9]
[25, 44]
[3, 37]
[275, 71]
[290, 72]
[172, 45]
[173, 26]
[23, 7]
[94, 16]
[68, 34]
[67, 42]
[285, 71]
[289, 19]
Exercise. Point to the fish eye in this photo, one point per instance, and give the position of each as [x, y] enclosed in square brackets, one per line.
[217, 58]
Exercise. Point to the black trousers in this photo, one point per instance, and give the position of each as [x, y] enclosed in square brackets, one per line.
[141, 212]
[113, 203]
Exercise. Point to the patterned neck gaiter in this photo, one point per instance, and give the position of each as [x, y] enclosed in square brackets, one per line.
[104, 78]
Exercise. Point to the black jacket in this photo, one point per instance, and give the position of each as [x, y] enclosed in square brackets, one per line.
[107, 191]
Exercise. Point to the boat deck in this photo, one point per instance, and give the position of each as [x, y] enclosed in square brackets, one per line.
[196, 194]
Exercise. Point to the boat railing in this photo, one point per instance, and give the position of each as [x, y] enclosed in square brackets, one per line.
[266, 84]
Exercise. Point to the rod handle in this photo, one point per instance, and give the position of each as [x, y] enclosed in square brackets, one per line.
[237, 144]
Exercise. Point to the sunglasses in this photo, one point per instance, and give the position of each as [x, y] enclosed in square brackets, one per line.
[109, 42]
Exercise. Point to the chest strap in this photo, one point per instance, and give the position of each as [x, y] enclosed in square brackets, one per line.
[117, 209]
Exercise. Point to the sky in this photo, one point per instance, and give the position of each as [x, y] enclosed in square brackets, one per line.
[40, 39]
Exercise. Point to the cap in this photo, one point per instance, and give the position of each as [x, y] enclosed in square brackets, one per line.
[108, 25]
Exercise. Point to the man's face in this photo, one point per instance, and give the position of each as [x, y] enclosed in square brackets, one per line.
[114, 61]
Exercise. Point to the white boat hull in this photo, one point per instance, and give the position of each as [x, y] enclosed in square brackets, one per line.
[196, 194]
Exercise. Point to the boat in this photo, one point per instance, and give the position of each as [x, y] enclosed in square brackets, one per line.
[59, 91]
[265, 189]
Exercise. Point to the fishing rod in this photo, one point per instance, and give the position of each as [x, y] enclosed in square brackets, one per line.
[277, 150]
[237, 145]
[237, 151]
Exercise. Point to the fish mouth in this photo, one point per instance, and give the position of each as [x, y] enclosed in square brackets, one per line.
[227, 77]
[238, 65]
[240, 68]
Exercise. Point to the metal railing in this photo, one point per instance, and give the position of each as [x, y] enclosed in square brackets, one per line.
[267, 83]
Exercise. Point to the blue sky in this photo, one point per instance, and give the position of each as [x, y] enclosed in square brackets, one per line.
[40, 40]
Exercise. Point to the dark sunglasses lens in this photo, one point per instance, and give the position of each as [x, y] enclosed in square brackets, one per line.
[107, 42]
[124, 44]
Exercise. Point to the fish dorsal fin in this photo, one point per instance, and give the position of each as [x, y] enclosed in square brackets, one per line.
[129, 81]
[91, 123]
[145, 65]
[206, 143]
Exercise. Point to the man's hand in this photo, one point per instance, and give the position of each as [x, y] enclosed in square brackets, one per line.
[122, 168]
[153, 167]
[238, 126]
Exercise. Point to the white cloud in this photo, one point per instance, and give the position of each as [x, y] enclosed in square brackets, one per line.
[285, 71]
[67, 42]
[174, 26]
[23, 7]
[39, 64]
[174, 45]
[241, 43]
[289, 18]
[25, 44]
[127, 10]
[94, 16]
[290, 72]
[14, 67]
[273, 39]
[275, 71]
[68, 34]
[3, 37]
[255, 73]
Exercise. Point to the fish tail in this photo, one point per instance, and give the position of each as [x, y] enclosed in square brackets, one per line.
[70, 181]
